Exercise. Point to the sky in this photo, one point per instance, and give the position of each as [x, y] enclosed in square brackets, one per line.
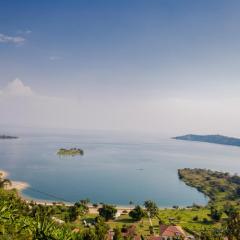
[159, 66]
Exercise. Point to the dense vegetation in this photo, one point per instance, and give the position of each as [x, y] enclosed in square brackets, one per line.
[220, 187]
[218, 139]
[19, 220]
[70, 152]
[223, 191]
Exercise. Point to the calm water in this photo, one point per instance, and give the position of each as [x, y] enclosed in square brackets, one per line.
[114, 169]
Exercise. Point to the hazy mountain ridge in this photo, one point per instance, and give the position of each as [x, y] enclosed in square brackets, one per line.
[7, 137]
[217, 139]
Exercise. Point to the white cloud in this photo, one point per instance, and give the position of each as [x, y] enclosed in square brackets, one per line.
[20, 105]
[10, 39]
[16, 88]
[27, 31]
[54, 58]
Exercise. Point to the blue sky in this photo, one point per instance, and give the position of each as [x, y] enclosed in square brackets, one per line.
[133, 59]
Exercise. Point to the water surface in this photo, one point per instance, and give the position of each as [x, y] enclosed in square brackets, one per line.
[115, 169]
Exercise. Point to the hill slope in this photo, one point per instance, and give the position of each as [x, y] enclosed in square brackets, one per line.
[218, 139]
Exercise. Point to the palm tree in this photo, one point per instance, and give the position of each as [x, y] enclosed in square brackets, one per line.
[4, 182]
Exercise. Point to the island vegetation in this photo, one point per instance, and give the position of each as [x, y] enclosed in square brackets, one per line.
[219, 219]
[7, 137]
[70, 152]
[217, 139]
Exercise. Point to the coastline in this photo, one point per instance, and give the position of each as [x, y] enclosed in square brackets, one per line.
[92, 209]
[20, 186]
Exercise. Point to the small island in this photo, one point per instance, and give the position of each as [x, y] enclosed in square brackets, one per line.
[217, 139]
[7, 137]
[70, 152]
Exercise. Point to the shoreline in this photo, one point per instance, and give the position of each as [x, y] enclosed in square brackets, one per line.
[92, 209]
[20, 186]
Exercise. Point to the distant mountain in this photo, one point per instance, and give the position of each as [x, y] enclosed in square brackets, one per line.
[7, 137]
[218, 139]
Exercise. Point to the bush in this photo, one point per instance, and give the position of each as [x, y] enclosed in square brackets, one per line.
[137, 213]
[205, 221]
[195, 218]
[107, 212]
[215, 214]
[151, 230]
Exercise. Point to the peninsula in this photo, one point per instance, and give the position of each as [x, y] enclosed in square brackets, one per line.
[220, 187]
[217, 139]
[70, 152]
[7, 137]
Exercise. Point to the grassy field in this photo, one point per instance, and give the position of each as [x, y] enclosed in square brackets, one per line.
[183, 217]
[221, 188]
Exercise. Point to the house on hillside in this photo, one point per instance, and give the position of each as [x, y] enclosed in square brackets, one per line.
[171, 233]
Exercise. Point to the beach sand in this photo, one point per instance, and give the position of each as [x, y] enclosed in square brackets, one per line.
[92, 209]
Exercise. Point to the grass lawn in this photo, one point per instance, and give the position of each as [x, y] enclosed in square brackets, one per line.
[183, 217]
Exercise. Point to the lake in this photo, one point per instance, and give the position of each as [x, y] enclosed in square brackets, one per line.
[115, 168]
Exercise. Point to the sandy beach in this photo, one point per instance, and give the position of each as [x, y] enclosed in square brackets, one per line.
[92, 209]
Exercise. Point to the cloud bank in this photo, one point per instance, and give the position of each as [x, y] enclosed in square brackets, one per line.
[25, 32]
[10, 39]
[22, 106]
[54, 58]
[16, 88]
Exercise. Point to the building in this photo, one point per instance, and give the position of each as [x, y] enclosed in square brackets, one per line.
[172, 232]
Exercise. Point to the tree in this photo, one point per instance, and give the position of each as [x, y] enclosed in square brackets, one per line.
[137, 213]
[101, 228]
[211, 234]
[238, 191]
[107, 211]
[4, 182]
[229, 209]
[82, 207]
[117, 234]
[43, 227]
[151, 208]
[85, 201]
[232, 229]
[89, 234]
[151, 230]
[215, 214]
[72, 213]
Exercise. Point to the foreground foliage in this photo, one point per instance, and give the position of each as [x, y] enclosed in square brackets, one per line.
[19, 220]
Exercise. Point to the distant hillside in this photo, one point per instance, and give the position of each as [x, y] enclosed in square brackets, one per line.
[218, 139]
[7, 137]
